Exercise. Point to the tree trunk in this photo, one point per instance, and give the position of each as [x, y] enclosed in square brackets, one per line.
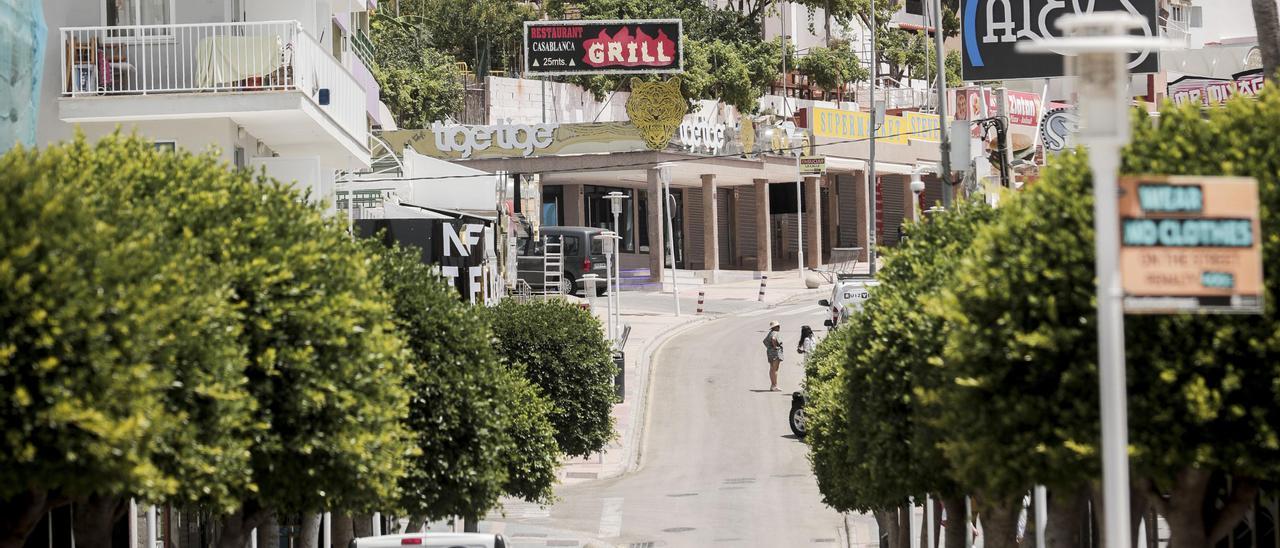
[237, 526]
[887, 521]
[826, 26]
[362, 525]
[1185, 511]
[94, 518]
[1000, 522]
[957, 527]
[342, 529]
[269, 532]
[20, 514]
[904, 526]
[470, 524]
[416, 523]
[310, 537]
[1267, 22]
[1244, 491]
[1067, 510]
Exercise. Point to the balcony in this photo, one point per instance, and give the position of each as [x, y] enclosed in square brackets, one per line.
[272, 78]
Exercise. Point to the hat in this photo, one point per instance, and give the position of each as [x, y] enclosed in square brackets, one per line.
[774, 324]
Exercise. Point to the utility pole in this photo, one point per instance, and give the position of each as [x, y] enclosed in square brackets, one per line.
[943, 135]
[871, 163]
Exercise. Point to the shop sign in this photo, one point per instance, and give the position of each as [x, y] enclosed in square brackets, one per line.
[1023, 109]
[813, 165]
[456, 248]
[1190, 244]
[850, 125]
[991, 30]
[603, 47]
[701, 135]
[656, 108]
[1214, 91]
[1058, 129]
[460, 142]
[923, 127]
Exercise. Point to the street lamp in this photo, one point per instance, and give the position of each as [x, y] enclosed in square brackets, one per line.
[797, 147]
[609, 242]
[1101, 43]
[614, 264]
[917, 188]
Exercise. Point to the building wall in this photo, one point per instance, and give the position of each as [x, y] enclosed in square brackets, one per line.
[521, 101]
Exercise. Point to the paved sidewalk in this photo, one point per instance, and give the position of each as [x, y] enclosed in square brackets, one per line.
[651, 317]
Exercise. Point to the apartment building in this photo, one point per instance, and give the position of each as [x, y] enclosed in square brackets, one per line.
[281, 84]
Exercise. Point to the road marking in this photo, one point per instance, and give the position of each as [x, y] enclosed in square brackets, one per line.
[755, 313]
[611, 517]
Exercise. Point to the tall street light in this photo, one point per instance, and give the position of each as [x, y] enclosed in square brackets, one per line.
[1101, 43]
[797, 146]
[613, 264]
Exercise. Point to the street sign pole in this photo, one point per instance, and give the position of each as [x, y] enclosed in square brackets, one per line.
[943, 138]
[1101, 42]
[799, 215]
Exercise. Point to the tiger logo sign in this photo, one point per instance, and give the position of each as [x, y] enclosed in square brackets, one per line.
[656, 109]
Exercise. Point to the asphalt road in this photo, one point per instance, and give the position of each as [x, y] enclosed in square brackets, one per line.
[719, 465]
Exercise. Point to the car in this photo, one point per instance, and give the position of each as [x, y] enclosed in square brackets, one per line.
[796, 417]
[583, 253]
[847, 297]
[432, 540]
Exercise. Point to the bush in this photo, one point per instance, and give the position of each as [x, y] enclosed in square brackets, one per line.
[564, 354]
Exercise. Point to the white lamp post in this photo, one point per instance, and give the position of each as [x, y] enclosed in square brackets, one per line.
[797, 146]
[614, 263]
[1101, 43]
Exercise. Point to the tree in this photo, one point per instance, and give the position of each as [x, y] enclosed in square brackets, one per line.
[420, 84]
[833, 68]
[324, 363]
[114, 360]
[1266, 20]
[485, 34]
[532, 458]
[563, 352]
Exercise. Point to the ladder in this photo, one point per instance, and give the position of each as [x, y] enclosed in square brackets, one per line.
[552, 266]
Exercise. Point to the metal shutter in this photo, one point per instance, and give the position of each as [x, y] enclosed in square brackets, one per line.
[693, 229]
[893, 203]
[847, 203]
[723, 232]
[746, 224]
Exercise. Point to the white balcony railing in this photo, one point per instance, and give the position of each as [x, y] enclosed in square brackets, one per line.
[267, 56]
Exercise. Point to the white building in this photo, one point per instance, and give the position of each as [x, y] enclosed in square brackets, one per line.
[283, 84]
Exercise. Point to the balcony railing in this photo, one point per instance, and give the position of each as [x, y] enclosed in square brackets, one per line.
[211, 58]
[363, 47]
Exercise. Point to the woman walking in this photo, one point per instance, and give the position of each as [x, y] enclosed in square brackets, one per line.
[773, 349]
[807, 341]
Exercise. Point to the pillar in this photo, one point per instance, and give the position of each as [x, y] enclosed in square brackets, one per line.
[710, 224]
[764, 238]
[812, 223]
[655, 201]
[864, 213]
[575, 213]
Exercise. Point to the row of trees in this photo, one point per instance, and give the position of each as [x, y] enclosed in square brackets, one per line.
[973, 368]
[181, 333]
[726, 58]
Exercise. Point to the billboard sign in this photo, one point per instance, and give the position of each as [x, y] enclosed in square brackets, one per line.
[992, 28]
[1209, 92]
[1190, 244]
[559, 48]
[813, 165]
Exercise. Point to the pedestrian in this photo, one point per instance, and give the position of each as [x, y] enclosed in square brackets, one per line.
[807, 341]
[773, 348]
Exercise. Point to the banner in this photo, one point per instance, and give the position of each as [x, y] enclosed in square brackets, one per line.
[991, 30]
[456, 247]
[852, 125]
[558, 48]
[1023, 108]
[1214, 91]
[459, 142]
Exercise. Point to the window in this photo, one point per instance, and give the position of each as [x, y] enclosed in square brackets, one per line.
[238, 158]
[122, 13]
[599, 213]
[572, 246]
[165, 146]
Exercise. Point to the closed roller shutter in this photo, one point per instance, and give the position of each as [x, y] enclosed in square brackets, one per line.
[847, 203]
[893, 201]
[723, 232]
[693, 228]
[746, 225]
[932, 192]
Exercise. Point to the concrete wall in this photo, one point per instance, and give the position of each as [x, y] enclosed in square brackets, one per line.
[521, 101]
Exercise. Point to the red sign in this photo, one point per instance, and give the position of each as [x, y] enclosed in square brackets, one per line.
[1214, 91]
[603, 47]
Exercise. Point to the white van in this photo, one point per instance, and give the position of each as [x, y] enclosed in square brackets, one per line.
[432, 540]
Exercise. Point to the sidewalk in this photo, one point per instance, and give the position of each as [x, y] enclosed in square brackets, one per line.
[651, 317]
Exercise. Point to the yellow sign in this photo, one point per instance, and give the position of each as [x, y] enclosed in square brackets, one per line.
[851, 125]
[657, 109]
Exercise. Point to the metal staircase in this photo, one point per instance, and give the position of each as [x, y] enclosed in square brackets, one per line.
[552, 266]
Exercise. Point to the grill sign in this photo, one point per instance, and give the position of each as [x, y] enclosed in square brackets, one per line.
[1190, 244]
[992, 28]
[602, 47]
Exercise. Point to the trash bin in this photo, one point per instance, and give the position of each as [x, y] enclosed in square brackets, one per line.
[619, 381]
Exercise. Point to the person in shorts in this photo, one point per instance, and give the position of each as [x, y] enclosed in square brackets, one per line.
[773, 350]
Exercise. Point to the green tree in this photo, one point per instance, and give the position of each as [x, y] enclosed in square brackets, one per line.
[324, 362]
[564, 354]
[833, 67]
[533, 457]
[485, 34]
[119, 370]
[420, 84]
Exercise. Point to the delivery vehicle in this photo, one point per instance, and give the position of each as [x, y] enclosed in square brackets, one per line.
[848, 295]
[432, 540]
[583, 254]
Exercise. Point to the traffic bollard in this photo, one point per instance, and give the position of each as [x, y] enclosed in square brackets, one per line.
[763, 281]
[701, 296]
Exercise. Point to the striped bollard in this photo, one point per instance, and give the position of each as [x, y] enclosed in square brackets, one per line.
[701, 296]
[763, 281]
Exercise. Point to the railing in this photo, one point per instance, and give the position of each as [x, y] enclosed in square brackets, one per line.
[363, 47]
[1176, 30]
[210, 58]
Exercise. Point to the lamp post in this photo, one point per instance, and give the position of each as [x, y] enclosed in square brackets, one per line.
[917, 188]
[797, 146]
[1101, 43]
[613, 264]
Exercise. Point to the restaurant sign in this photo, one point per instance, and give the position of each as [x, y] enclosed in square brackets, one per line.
[464, 142]
[852, 125]
[1190, 244]
[558, 48]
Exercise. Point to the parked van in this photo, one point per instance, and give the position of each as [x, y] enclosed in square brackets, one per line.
[583, 254]
[432, 540]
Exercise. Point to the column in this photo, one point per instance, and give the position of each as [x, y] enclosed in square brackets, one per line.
[575, 213]
[710, 225]
[764, 238]
[655, 202]
[812, 223]
[863, 213]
